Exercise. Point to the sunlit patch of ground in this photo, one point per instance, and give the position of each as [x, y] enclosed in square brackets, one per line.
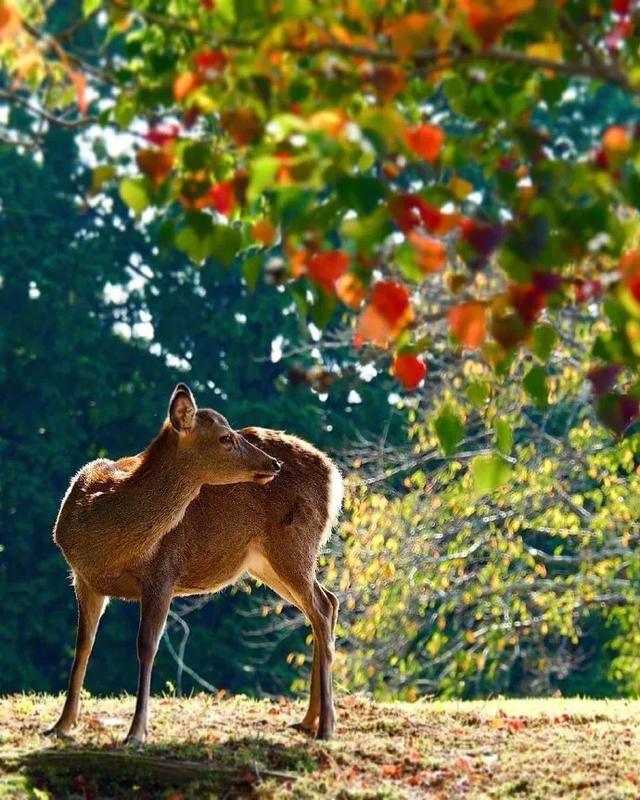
[203, 747]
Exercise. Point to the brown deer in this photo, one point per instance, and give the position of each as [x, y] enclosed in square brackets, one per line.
[200, 507]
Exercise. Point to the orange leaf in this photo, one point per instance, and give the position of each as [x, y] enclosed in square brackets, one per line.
[430, 254]
[409, 33]
[468, 323]
[10, 22]
[616, 139]
[330, 120]
[327, 266]
[350, 290]
[185, 84]
[264, 232]
[489, 18]
[80, 82]
[391, 770]
[425, 141]
[157, 164]
[373, 327]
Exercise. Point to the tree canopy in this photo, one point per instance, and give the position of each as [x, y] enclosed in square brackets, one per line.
[398, 166]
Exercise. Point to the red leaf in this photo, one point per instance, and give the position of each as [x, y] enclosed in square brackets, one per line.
[327, 266]
[603, 379]
[222, 197]
[391, 300]
[163, 135]
[630, 269]
[588, 290]
[621, 7]
[484, 237]
[210, 62]
[425, 141]
[387, 315]
[410, 210]
[618, 411]
[468, 323]
[410, 370]
[527, 299]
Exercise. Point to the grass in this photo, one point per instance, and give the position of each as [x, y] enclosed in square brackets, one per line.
[206, 747]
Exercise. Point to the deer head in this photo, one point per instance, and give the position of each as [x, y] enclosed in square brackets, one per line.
[211, 448]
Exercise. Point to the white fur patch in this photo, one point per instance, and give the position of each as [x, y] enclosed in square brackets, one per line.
[334, 504]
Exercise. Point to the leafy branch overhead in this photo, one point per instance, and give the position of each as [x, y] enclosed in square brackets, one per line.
[391, 164]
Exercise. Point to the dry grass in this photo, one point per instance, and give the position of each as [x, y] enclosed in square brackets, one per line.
[203, 747]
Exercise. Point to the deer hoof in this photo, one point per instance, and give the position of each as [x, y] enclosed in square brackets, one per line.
[302, 728]
[57, 732]
[324, 732]
[135, 741]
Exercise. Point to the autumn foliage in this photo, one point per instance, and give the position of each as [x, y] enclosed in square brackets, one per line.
[392, 156]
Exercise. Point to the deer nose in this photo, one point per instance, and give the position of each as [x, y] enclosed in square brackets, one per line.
[276, 465]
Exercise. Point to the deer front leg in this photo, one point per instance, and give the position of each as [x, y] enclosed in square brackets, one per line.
[154, 607]
[91, 606]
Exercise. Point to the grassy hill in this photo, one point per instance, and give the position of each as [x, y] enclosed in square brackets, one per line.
[207, 747]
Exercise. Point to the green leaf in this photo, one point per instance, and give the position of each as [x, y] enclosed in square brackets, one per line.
[225, 243]
[504, 435]
[535, 385]
[544, 339]
[361, 193]
[263, 171]
[478, 393]
[134, 193]
[406, 260]
[100, 175]
[323, 307]
[90, 7]
[251, 269]
[489, 473]
[196, 156]
[449, 429]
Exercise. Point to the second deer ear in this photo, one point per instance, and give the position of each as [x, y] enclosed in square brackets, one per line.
[182, 409]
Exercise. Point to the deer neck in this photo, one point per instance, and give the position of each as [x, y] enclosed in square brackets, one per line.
[161, 488]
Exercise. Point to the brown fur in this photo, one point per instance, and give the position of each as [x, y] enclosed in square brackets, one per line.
[174, 520]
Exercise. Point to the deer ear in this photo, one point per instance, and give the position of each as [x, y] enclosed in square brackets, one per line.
[182, 408]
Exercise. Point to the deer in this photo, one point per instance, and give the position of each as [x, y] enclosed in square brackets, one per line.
[195, 511]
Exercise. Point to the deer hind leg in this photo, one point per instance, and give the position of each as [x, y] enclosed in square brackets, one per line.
[311, 718]
[91, 606]
[267, 575]
[154, 607]
[295, 583]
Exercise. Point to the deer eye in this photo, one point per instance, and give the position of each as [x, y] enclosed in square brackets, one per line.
[226, 439]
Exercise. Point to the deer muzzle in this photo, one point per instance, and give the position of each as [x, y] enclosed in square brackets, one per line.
[266, 476]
